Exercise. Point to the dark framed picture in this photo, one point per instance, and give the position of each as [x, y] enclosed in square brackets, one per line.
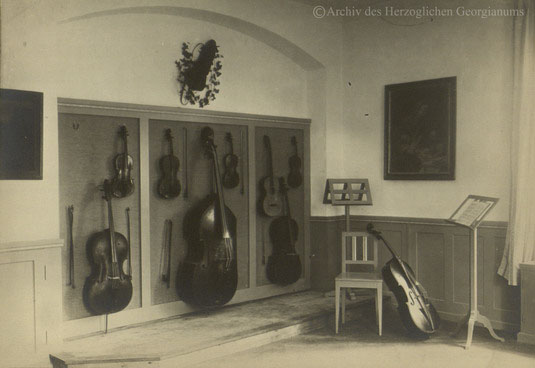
[420, 123]
[21, 134]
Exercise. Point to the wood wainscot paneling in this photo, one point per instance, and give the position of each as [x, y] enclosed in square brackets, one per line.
[439, 254]
[30, 295]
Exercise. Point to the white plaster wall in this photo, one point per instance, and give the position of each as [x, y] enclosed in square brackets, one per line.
[129, 57]
[479, 52]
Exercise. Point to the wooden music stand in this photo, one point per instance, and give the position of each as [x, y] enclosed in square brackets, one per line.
[347, 192]
[470, 214]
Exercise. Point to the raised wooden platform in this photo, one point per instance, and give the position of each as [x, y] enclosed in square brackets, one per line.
[204, 335]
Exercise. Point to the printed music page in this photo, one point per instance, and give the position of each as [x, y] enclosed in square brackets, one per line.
[472, 211]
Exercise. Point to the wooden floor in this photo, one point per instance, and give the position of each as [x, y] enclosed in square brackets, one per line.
[358, 345]
[204, 335]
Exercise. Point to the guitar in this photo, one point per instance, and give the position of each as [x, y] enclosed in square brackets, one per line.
[231, 178]
[416, 311]
[122, 184]
[294, 177]
[169, 185]
[271, 200]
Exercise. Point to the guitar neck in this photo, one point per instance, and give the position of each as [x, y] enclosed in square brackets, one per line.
[170, 141]
[231, 145]
[171, 151]
[267, 143]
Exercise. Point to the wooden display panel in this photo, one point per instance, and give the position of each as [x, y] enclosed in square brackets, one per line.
[199, 184]
[88, 145]
[282, 150]
[89, 128]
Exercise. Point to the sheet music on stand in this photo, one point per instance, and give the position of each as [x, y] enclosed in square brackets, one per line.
[472, 211]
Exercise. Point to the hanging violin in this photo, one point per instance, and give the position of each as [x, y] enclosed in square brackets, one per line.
[123, 183]
[284, 265]
[209, 275]
[169, 185]
[231, 178]
[107, 289]
[295, 178]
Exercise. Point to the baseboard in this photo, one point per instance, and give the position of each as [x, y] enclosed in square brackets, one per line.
[525, 338]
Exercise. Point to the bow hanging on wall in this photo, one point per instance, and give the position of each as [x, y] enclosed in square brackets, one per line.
[199, 74]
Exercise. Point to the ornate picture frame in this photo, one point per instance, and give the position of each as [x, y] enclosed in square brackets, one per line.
[21, 135]
[420, 126]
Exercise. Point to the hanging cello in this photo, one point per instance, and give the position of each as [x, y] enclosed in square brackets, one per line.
[284, 265]
[416, 311]
[107, 289]
[209, 276]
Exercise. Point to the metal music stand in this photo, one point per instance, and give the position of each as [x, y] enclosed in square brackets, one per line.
[347, 192]
[470, 214]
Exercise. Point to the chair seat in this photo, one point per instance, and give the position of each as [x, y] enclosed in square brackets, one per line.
[351, 276]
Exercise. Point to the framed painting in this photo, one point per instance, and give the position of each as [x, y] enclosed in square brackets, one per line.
[21, 135]
[420, 123]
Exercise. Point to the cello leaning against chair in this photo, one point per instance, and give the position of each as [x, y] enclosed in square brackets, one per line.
[416, 311]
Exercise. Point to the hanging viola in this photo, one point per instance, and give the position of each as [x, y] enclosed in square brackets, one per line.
[199, 74]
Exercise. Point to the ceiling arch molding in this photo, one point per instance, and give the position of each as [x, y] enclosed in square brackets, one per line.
[269, 38]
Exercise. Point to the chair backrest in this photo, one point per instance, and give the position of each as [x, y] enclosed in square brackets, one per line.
[355, 250]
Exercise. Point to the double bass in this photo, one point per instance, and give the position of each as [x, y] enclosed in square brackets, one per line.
[107, 289]
[416, 311]
[284, 265]
[209, 276]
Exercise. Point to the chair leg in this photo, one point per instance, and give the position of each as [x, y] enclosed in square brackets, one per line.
[344, 297]
[379, 309]
[337, 307]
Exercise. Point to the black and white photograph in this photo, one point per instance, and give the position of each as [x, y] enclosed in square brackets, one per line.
[267, 183]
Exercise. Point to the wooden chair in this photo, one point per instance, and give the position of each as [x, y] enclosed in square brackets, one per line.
[351, 256]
